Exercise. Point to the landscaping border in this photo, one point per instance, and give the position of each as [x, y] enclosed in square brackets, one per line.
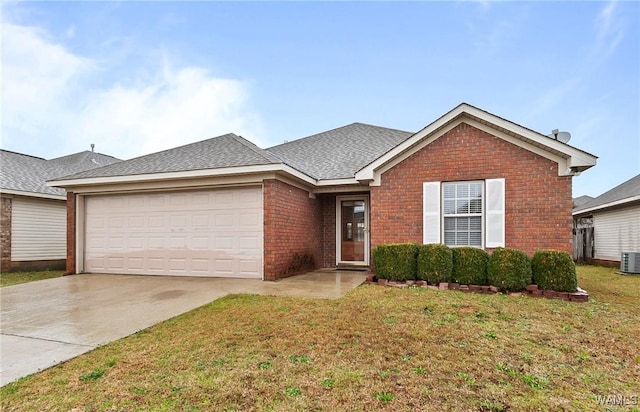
[533, 291]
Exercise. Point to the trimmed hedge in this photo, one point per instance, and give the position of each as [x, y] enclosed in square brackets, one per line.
[470, 266]
[509, 269]
[554, 270]
[396, 261]
[435, 263]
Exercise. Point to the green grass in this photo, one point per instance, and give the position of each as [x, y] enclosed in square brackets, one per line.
[444, 350]
[15, 278]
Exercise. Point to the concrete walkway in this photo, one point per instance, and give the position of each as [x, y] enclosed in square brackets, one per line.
[50, 321]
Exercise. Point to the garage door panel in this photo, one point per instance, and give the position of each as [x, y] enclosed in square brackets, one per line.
[200, 233]
[223, 220]
[116, 263]
[200, 243]
[222, 242]
[248, 244]
[135, 243]
[135, 264]
[115, 203]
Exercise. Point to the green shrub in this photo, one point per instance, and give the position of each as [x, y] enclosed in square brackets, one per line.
[554, 270]
[470, 265]
[397, 261]
[435, 263]
[509, 269]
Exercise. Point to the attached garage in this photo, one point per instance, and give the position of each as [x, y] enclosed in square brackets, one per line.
[212, 232]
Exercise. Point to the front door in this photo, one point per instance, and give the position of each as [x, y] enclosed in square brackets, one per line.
[352, 230]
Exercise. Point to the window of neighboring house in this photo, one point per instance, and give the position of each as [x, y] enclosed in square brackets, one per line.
[470, 213]
[462, 213]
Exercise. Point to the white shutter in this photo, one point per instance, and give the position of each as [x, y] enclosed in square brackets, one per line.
[495, 226]
[431, 212]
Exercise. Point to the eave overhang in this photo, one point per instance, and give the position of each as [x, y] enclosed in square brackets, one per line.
[629, 201]
[32, 194]
[571, 161]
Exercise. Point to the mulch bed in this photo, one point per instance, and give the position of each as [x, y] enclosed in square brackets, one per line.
[531, 290]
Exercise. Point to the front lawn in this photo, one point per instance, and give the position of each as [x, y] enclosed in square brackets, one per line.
[377, 348]
[14, 278]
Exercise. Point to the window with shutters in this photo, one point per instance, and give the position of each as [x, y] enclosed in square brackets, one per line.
[462, 213]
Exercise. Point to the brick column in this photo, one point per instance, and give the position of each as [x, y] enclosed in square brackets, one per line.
[71, 233]
[5, 234]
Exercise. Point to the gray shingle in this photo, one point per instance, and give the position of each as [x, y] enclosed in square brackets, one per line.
[223, 151]
[341, 152]
[625, 190]
[25, 173]
[581, 200]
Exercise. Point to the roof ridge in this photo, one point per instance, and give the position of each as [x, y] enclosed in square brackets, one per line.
[382, 127]
[258, 150]
[23, 154]
[85, 152]
[336, 129]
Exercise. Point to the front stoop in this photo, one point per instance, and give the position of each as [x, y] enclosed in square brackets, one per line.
[531, 290]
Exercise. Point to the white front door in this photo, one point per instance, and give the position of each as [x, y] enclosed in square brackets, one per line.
[352, 230]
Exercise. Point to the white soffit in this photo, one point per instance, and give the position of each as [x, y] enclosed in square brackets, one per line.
[32, 194]
[183, 175]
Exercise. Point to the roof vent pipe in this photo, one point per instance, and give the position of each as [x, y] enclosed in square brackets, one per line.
[92, 147]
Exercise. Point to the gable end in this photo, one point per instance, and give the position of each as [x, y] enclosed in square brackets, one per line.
[570, 160]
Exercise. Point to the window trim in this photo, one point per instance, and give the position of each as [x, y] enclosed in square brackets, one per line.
[482, 214]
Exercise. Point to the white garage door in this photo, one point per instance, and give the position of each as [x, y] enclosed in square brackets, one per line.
[215, 233]
[38, 229]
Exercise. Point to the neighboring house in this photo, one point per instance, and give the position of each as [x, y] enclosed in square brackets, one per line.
[615, 219]
[33, 215]
[225, 207]
[579, 201]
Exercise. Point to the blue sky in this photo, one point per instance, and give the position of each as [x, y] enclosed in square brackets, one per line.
[138, 77]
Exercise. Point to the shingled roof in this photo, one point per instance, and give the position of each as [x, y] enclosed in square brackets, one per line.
[355, 152]
[341, 152]
[28, 174]
[334, 154]
[228, 150]
[626, 191]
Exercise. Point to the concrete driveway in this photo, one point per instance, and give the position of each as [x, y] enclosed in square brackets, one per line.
[47, 322]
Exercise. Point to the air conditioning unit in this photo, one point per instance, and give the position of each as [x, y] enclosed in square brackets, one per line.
[630, 262]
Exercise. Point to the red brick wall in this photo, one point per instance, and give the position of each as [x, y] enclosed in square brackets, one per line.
[292, 230]
[538, 201]
[71, 233]
[5, 234]
[328, 230]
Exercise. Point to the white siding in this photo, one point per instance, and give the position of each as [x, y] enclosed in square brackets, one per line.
[215, 233]
[38, 229]
[615, 232]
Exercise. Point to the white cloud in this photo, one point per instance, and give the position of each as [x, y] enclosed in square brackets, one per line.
[174, 108]
[37, 78]
[50, 106]
[609, 30]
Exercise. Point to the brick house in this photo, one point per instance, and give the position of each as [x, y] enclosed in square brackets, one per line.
[33, 215]
[224, 207]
